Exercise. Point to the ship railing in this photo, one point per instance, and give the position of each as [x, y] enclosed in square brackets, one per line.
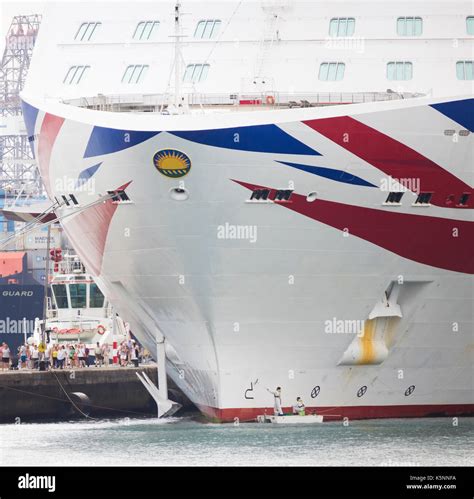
[234, 101]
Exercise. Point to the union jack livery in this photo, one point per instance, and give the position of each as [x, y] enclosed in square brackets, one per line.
[327, 250]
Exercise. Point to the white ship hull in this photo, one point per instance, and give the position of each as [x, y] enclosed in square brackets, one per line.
[251, 295]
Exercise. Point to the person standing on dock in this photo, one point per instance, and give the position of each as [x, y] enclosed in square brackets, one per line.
[5, 357]
[22, 356]
[106, 354]
[99, 358]
[62, 354]
[34, 357]
[54, 357]
[277, 401]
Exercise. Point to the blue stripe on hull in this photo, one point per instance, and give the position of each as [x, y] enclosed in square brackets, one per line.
[30, 114]
[460, 111]
[330, 173]
[260, 138]
[109, 140]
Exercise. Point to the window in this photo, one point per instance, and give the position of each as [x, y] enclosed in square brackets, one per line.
[146, 30]
[260, 195]
[118, 196]
[60, 295]
[470, 25]
[86, 31]
[96, 297]
[402, 70]
[342, 26]
[464, 199]
[78, 295]
[207, 29]
[409, 26]
[394, 198]
[195, 73]
[134, 73]
[424, 198]
[283, 195]
[331, 71]
[75, 74]
[464, 70]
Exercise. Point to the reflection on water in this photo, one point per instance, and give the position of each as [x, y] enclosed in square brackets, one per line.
[182, 441]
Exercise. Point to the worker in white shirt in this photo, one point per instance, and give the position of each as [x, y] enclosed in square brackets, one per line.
[277, 401]
[299, 408]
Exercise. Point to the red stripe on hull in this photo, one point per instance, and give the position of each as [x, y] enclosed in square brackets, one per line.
[47, 137]
[351, 412]
[393, 158]
[440, 242]
[88, 232]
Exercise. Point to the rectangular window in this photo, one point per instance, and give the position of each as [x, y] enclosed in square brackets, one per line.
[260, 195]
[146, 30]
[78, 295]
[331, 71]
[195, 73]
[399, 70]
[424, 198]
[464, 70]
[60, 295]
[394, 198]
[409, 26]
[86, 31]
[342, 26]
[96, 297]
[135, 73]
[470, 25]
[75, 74]
[207, 29]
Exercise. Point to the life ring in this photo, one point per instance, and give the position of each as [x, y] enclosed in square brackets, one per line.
[270, 100]
[101, 329]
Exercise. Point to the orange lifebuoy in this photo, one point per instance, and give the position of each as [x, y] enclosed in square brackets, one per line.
[101, 329]
[270, 100]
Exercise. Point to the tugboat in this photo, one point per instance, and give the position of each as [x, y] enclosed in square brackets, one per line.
[77, 309]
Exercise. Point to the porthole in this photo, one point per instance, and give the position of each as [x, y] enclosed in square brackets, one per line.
[311, 197]
[179, 194]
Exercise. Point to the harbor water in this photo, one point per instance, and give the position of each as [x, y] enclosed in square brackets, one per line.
[185, 441]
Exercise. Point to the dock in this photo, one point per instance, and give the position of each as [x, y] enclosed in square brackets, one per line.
[31, 395]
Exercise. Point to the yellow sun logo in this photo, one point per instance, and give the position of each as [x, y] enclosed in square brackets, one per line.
[172, 163]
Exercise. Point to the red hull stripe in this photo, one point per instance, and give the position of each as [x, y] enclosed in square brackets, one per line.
[351, 412]
[48, 133]
[393, 158]
[440, 242]
[93, 224]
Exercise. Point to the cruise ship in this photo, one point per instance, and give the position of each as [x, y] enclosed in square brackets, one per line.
[279, 193]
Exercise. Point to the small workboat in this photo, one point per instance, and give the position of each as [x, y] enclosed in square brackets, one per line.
[290, 419]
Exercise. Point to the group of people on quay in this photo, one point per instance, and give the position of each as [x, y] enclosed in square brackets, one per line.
[72, 355]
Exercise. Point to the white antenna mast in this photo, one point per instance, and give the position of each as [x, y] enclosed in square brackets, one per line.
[177, 56]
